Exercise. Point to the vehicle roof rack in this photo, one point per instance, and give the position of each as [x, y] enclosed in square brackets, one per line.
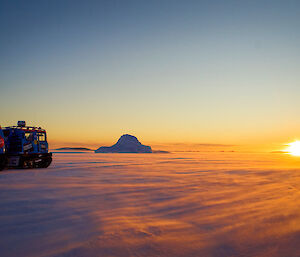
[27, 129]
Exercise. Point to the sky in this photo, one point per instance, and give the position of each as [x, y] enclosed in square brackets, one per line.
[168, 72]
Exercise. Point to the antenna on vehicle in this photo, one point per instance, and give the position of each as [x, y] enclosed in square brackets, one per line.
[21, 123]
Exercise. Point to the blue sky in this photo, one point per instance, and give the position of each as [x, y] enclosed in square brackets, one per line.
[167, 71]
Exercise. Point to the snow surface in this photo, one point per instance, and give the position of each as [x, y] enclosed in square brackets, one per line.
[183, 204]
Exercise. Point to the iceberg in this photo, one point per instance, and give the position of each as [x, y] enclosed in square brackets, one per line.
[126, 144]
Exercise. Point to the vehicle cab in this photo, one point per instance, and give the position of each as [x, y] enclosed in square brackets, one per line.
[22, 139]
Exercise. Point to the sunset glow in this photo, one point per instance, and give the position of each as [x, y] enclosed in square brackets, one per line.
[294, 148]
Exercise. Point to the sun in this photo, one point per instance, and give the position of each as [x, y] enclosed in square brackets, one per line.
[294, 148]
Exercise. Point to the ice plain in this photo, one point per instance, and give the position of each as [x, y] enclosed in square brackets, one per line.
[179, 204]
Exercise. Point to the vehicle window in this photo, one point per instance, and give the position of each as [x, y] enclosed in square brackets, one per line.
[42, 137]
[28, 136]
[6, 133]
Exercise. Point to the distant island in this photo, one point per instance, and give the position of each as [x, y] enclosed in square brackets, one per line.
[159, 151]
[280, 151]
[126, 144]
[74, 149]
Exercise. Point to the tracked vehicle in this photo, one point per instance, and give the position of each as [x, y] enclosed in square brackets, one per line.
[24, 147]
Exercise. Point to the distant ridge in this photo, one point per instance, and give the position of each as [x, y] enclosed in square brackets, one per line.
[74, 149]
[159, 151]
[279, 151]
[126, 144]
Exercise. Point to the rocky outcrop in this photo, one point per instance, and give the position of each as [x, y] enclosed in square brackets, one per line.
[125, 144]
